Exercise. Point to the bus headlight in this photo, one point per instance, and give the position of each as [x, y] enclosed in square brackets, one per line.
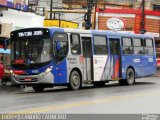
[47, 70]
[12, 73]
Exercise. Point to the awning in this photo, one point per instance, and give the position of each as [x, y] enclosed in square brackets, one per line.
[7, 51]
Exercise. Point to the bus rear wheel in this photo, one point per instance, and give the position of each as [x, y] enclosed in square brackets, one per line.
[74, 81]
[38, 88]
[130, 78]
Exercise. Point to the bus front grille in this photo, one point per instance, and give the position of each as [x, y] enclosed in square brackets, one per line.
[26, 80]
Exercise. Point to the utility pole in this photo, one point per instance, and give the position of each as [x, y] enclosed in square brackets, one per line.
[59, 20]
[94, 15]
[87, 16]
[143, 31]
[51, 5]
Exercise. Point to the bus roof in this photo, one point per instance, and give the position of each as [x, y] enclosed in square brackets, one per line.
[104, 32]
[99, 32]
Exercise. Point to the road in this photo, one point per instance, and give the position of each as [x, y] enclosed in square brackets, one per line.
[143, 97]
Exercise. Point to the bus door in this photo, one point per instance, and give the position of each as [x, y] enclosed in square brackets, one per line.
[115, 57]
[88, 59]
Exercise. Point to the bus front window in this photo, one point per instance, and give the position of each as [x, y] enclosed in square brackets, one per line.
[32, 51]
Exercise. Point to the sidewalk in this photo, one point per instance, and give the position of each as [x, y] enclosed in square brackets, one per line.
[158, 73]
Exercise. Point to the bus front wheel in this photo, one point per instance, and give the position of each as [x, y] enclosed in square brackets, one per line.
[38, 88]
[74, 80]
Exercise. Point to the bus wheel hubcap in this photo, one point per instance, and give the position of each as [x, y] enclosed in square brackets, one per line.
[130, 76]
[75, 80]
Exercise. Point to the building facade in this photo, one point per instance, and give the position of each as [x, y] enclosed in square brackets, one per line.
[132, 19]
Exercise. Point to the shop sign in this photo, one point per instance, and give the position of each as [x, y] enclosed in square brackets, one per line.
[116, 24]
[137, 26]
[60, 23]
[15, 4]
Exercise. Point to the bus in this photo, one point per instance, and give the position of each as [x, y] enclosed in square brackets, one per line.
[47, 57]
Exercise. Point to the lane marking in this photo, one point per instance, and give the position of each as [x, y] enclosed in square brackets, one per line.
[83, 103]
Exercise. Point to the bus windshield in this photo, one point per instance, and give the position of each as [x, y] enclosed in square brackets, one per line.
[31, 52]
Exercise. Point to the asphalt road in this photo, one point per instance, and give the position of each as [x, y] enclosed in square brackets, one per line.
[143, 97]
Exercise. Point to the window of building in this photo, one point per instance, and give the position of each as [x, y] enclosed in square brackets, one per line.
[100, 45]
[75, 44]
[156, 7]
[149, 47]
[138, 46]
[127, 46]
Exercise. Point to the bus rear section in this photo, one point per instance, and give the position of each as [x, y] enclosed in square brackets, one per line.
[124, 57]
[138, 57]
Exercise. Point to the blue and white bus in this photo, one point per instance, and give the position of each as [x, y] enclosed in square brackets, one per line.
[46, 57]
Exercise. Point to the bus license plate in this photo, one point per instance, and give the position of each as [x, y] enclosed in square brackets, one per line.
[28, 79]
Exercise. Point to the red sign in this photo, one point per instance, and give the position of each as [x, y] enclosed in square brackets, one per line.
[138, 23]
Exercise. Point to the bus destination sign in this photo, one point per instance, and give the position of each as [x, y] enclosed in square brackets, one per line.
[30, 33]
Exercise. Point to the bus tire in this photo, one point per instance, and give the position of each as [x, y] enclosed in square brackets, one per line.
[130, 77]
[3, 82]
[74, 80]
[38, 88]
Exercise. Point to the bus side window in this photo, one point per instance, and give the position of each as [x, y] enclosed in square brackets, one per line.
[75, 44]
[138, 46]
[127, 46]
[100, 45]
[149, 47]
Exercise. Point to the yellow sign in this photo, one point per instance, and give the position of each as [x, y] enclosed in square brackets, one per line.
[60, 23]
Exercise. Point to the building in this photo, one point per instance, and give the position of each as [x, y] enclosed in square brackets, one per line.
[103, 4]
[15, 16]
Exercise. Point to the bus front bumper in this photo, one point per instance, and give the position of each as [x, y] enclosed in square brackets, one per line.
[33, 79]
